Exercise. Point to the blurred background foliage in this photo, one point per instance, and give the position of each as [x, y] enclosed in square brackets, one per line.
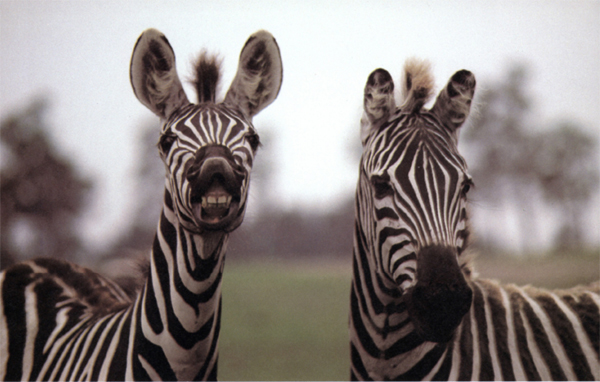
[287, 284]
[41, 194]
[515, 161]
[512, 160]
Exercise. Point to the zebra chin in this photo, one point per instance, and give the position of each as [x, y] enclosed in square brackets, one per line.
[441, 296]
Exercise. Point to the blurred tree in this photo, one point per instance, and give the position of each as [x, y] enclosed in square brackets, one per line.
[41, 195]
[517, 162]
[566, 168]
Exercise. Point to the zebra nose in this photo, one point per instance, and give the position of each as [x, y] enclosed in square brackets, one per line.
[213, 168]
[215, 164]
[441, 296]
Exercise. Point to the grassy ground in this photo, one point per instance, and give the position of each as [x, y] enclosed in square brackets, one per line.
[554, 271]
[284, 321]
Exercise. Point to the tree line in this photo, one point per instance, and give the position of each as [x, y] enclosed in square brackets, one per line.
[512, 160]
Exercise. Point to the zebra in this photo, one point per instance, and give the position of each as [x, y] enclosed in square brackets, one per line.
[60, 321]
[418, 311]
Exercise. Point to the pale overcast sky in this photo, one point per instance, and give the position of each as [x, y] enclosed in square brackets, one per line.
[77, 53]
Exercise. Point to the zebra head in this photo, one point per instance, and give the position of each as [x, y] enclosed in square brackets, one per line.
[412, 195]
[208, 148]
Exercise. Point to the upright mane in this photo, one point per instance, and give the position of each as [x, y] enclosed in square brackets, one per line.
[417, 84]
[207, 74]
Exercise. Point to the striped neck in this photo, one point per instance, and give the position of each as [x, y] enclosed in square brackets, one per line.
[181, 303]
[384, 343]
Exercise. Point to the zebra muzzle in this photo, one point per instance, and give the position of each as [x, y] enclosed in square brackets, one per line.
[215, 192]
[441, 296]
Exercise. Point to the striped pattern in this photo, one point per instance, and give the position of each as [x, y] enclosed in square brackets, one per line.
[417, 310]
[220, 127]
[59, 321]
[524, 333]
[170, 332]
[419, 164]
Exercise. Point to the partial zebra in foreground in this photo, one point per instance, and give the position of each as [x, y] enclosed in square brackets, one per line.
[59, 321]
[418, 311]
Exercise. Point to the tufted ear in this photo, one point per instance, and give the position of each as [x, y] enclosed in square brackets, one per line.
[153, 75]
[259, 75]
[453, 104]
[378, 102]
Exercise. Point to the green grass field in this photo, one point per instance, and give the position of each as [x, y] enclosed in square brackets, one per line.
[284, 321]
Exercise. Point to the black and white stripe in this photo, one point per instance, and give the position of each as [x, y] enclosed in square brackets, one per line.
[417, 310]
[59, 321]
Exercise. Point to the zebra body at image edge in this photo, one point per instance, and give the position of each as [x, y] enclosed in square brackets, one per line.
[417, 310]
[60, 321]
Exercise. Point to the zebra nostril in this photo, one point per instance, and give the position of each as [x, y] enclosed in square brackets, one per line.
[202, 175]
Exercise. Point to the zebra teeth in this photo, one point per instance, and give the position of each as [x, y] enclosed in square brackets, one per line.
[212, 201]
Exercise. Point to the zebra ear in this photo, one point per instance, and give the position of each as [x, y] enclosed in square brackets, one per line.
[378, 102]
[259, 75]
[153, 74]
[453, 104]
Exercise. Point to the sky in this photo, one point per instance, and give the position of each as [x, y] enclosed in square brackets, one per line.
[76, 53]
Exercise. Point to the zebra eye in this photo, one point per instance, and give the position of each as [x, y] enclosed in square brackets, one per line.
[467, 186]
[165, 142]
[381, 185]
[254, 140]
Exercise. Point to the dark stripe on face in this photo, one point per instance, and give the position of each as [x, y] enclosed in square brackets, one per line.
[402, 260]
[365, 282]
[430, 201]
[386, 213]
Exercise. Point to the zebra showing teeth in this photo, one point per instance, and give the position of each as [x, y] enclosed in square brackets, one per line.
[216, 201]
[60, 321]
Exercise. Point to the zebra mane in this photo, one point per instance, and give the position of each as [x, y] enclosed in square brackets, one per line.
[417, 84]
[207, 73]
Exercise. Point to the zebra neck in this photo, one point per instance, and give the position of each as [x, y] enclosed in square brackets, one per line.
[181, 302]
[381, 326]
[188, 265]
